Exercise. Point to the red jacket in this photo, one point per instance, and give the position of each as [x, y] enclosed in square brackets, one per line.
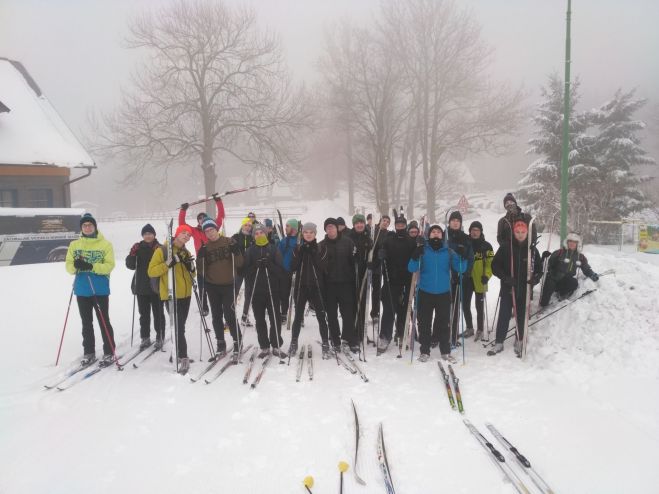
[198, 235]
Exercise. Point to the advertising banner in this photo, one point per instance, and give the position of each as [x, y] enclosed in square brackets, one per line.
[648, 239]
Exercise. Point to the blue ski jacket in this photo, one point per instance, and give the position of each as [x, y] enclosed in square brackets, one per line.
[435, 275]
[286, 247]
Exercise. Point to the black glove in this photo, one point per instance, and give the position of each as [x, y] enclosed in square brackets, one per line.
[382, 254]
[460, 250]
[594, 276]
[507, 281]
[189, 264]
[418, 252]
[81, 265]
[185, 206]
[484, 280]
[264, 262]
[217, 199]
[171, 262]
[545, 255]
[536, 278]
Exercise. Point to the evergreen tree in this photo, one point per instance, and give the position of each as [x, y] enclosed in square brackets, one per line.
[540, 186]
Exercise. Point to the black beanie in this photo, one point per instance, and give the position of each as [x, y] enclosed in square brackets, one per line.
[509, 197]
[455, 215]
[412, 225]
[330, 221]
[148, 229]
[400, 219]
[87, 218]
[476, 224]
[340, 221]
[435, 227]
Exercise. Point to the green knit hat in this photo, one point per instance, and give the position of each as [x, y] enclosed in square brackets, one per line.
[358, 218]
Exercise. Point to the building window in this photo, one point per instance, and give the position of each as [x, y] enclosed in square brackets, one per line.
[8, 198]
[40, 198]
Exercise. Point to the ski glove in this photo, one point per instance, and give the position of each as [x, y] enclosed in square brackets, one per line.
[484, 280]
[545, 255]
[172, 261]
[264, 262]
[382, 254]
[234, 248]
[460, 250]
[537, 277]
[81, 265]
[185, 206]
[418, 252]
[594, 276]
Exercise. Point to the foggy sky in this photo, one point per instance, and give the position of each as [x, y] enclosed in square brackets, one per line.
[73, 48]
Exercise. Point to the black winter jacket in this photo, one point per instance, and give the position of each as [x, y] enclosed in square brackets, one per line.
[340, 259]
[138, 260]
[501, 267]
[262, 259]
[307, 258]
[399, 247]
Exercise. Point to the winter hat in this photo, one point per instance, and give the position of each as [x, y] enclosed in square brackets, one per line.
[369, 217]
[455, 215]
[292, 223]
[209, 223]
[340, 221]
[87, 218]
[435, 227]
[573, 237]
[509, 197]
[330, 221]
[519, 223]
[310, 227]
[358, 218]
[413, 225]
[476, 224]
[400, 219]
[148, 229]
[183, 228]
[201, 216]
[268, 222]
[258, 227]
[245, 221]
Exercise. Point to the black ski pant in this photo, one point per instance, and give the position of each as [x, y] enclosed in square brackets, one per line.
[376, 283]
[87, 306]
[565, 287]
[468, 288]
[506, 310]
[148, 304]
[182, 309]
[341, 298]
[459, 299]
[261, 303]
[202, 291]
[394, 307]
[310, 294]
[437, 330]
[222, 309]
[285, 295]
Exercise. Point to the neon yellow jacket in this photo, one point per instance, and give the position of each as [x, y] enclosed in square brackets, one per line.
[97, 251]
[158, 269]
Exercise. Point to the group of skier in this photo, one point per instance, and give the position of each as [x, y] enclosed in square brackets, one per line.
[436, 270]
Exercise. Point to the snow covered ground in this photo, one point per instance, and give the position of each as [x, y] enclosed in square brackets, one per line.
[582, 407]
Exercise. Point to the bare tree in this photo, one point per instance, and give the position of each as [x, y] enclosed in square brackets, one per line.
[458, 111]
[364, 88]
[212, 86]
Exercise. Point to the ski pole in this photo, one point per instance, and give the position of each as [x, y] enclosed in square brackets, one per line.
[343, 467]
[103, 324]
[461, 315]
[132, 327]
[235, 315]
[66, 318]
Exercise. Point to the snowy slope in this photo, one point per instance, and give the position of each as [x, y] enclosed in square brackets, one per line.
[582, 407]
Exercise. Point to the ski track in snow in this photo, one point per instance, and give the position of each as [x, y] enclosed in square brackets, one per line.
[582, 407]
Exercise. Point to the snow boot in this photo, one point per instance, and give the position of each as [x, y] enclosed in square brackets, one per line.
[355, 348]
[498, 348]
[245, 320]
[447, 357]
[326, 351]
[159, 342]
[221, 350]
[88, 359]
[518, 348]
[468, 333]
[183, 365]
[424, 357]
[264, 352]
[106, 361]
[383, 344]
[145, 343]
[284, 318]
[479, 335]
[277, 352]
[292, 348]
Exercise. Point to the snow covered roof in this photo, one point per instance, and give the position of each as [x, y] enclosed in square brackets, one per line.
[31, 130]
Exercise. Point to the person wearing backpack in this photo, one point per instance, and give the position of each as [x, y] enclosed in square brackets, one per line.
[148, 298]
